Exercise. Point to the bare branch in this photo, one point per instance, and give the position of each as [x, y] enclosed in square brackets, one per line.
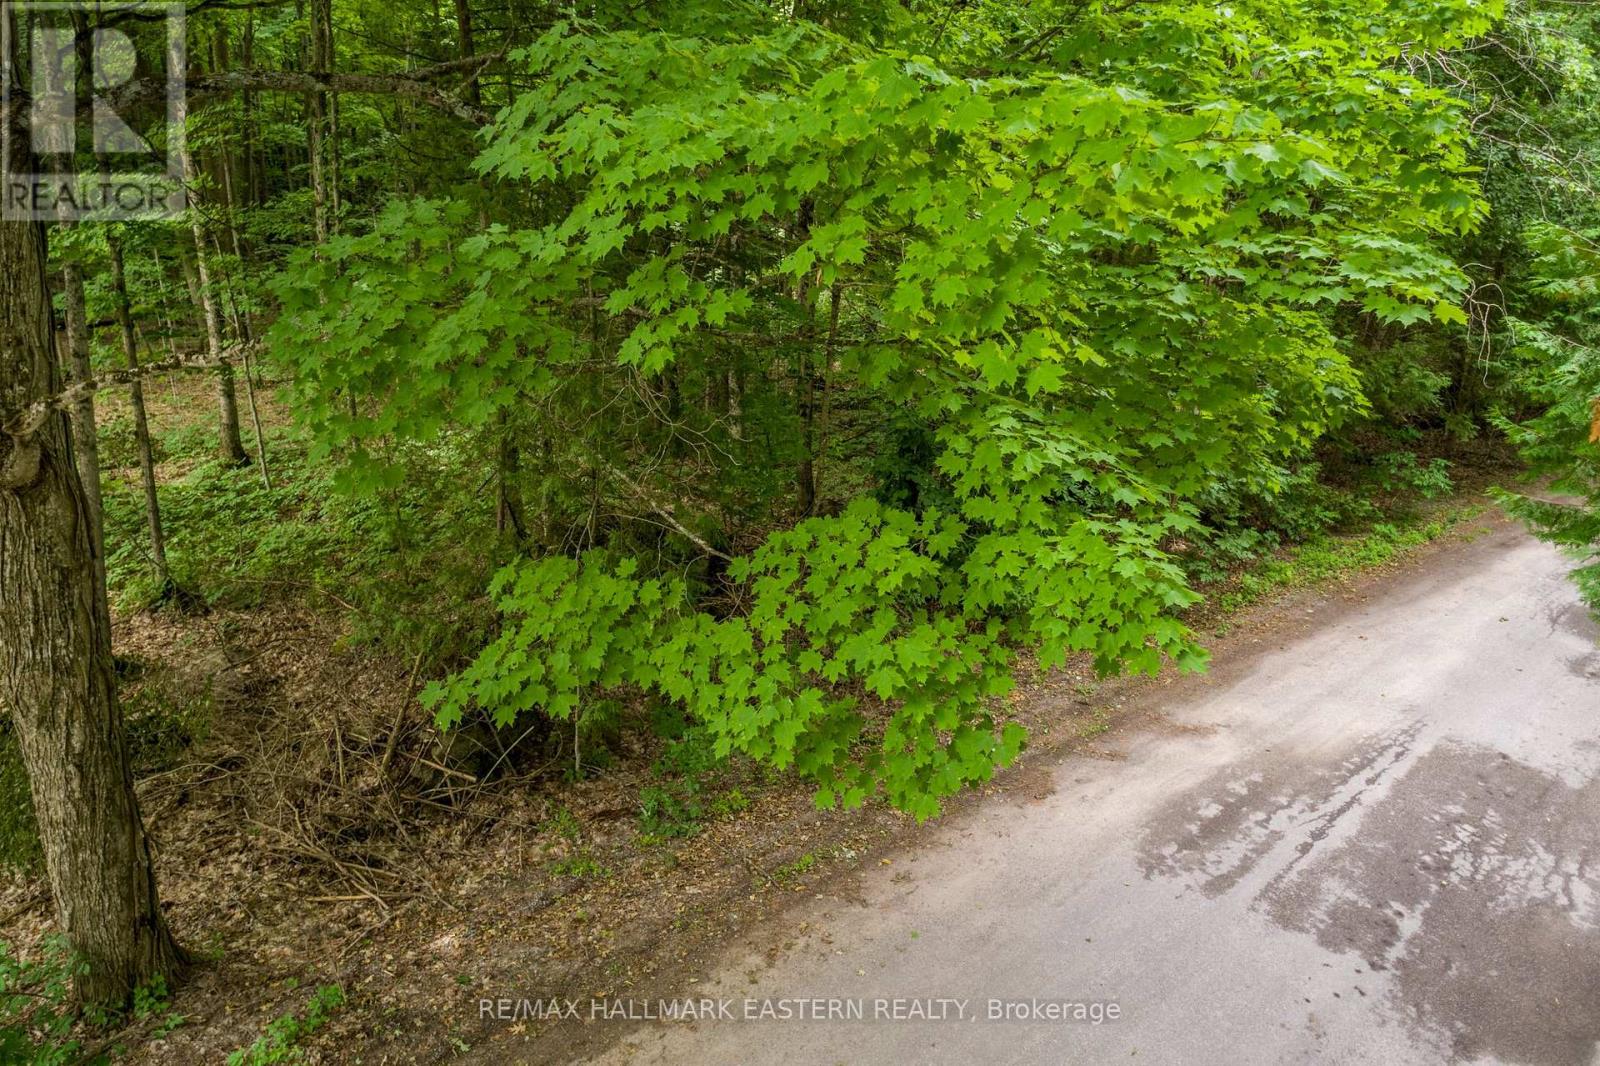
[26, 422]
[663, 510]
[145, 91]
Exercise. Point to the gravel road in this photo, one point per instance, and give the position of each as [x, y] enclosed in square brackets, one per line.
[1377, 843]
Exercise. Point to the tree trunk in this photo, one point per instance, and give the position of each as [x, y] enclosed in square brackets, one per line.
[141, 424]
[198, 275]
[320, 128]
[805, 378]
[465, 47]
[805, 475]
[508, 488]
[241, 330]
[230, 446]
[169, 330]
[85, 431]
[56, 677]
[249, 157]
[85, 436]
[228, 164]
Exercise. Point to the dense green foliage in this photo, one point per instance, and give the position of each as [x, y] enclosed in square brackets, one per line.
[804, 373]
[1539, 152]
[732, 394]
[36, 1008]
[1061, 290]
[1563, 346]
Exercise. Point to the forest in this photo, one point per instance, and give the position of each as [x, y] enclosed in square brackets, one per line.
[561, 448]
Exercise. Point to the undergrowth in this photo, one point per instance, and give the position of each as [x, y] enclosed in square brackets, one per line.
[1328, 558]
[281, 1043]
[234, 541]
[42, 1024]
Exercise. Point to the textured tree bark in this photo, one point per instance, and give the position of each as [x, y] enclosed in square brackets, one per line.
[85, 431]
[56, 677]
[168, 332]
[141, 424]
[228, 163]
[85, 435]
[230, 445]
[508, 488]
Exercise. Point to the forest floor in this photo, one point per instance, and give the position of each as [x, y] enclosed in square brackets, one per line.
[299, 846]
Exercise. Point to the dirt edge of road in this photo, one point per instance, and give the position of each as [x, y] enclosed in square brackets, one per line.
[1066, 721]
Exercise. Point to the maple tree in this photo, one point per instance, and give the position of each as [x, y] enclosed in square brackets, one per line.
[1087, 270]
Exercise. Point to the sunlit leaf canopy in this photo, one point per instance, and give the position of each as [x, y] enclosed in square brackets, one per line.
[1087, 256]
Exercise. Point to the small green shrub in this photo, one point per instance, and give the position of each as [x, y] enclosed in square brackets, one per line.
[1332, 557]
[38, 1013]
[791, 870]
[281, 1041]
[729, 803]
[691, 754]
[669, 812]
[566, 825]
[1246, 519]
[581, 865]
[154, 999]
[36, 1008]
[1402, 471]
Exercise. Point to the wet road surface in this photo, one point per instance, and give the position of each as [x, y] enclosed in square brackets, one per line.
[1379, 843]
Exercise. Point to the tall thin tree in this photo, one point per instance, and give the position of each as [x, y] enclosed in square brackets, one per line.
[141, 422]
[197, 267]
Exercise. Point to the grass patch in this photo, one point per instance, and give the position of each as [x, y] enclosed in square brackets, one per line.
[789, 871]
[1330, 558]
[582, 866]
[1097, 724]
[281, 1043]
